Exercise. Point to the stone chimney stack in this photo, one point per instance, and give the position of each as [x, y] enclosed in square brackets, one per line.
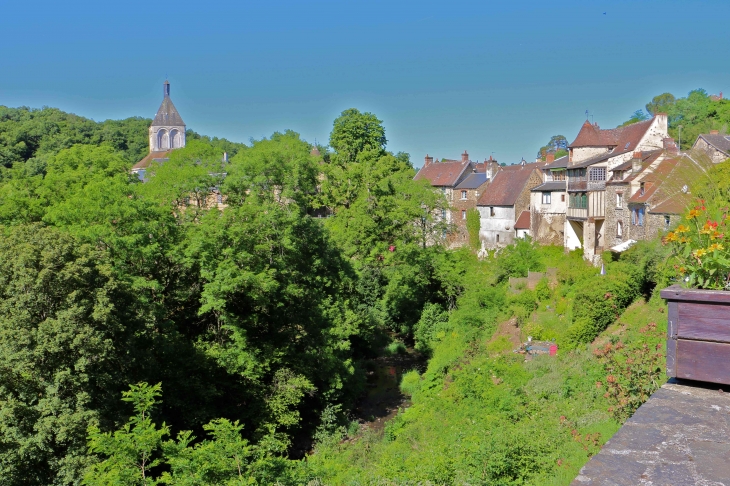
[166, 89]
[636, 162]
[670, 145]
[714, 132]
[465, 157]
[427, 160]
[550, 158]
[662, 123]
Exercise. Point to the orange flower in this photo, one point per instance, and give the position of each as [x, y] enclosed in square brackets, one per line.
[682, 270]
[716, 246]
[682, 229]
[699, 252]
[693, 214]
[671, 237]
[717, 236]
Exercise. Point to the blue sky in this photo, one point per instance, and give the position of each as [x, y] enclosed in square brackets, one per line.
[488, 77]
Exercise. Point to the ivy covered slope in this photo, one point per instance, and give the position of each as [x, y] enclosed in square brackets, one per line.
[481, 414]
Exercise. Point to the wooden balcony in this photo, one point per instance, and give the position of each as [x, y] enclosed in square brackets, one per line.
[574, 185]
[577, 213]
[596, 185]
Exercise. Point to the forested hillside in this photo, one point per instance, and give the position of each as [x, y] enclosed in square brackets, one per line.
[148, 335]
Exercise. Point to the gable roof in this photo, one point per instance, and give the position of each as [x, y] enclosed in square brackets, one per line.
[523, 222]
[560, 163]
[624, 138]
[473, 181]
[167, 114]
[720, 142]
[662, 187]
[151, 157]
[443, 174]
[507, 185]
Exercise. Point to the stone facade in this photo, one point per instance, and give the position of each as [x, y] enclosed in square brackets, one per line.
[463, 200]
[714, 153]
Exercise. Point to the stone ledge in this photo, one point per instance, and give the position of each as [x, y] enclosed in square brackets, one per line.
[680, 436]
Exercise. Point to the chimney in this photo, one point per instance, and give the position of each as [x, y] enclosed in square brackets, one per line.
[670, 145]
[550, 158]
[166, 89]
[427, 160]
[714, 132]
[661, 119]
[636, 162]
[465, 157]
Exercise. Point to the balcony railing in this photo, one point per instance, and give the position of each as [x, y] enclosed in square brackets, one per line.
[596, 185]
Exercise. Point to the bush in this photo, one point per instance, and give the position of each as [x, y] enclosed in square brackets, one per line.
[542, 290]
[395, 347]
[601, 300]
[433, 319]
[410, 383]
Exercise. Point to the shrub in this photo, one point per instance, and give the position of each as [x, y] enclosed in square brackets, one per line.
[433, 319]
[600, 301]
[542, 290]
[410, 383]
[395, 347]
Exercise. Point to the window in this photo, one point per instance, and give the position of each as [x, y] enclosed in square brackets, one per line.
[562, 198]
[497, 238]
[667, 221]
[546, 197]
[597, 174]
[463, 214]
[619, 229]
[463, 194]
[491, 210]
[443, 214]
[619, 199]
[637, 217]
[641, 189]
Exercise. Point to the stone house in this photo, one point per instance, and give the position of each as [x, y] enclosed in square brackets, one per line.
[504, 200]
[466, 195]
[592, 155]
[548, 203]
[716, 146]
[446, 175]
[647, 195]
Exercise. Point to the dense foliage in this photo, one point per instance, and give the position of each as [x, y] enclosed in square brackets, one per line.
[254, 292]
[696, 113]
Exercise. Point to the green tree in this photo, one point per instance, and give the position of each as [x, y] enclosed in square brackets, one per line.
[637, 116]
[558, 146]
[660, 103]
[132, 452]
[65, 328]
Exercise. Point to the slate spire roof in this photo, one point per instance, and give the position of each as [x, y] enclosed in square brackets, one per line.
[167, 115]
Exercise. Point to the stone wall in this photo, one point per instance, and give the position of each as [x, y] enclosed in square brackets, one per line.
[460, 235]
[616, 214]
[498, 230]
[711, 151]
[579, 154]
[547, 221]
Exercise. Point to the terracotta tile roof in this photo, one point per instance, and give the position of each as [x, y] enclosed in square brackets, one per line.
[151, 157]
[674, 205]
[507, 185]
[443, 174]
[523, 222]
[473, 181]
[593, 136]
[720, 142]
[654, 180]
[646, 156]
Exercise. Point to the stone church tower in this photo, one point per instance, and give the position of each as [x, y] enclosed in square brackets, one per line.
[167, 133]
[168, 128]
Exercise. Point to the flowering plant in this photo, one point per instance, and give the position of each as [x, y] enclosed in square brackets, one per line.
[698, 245]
